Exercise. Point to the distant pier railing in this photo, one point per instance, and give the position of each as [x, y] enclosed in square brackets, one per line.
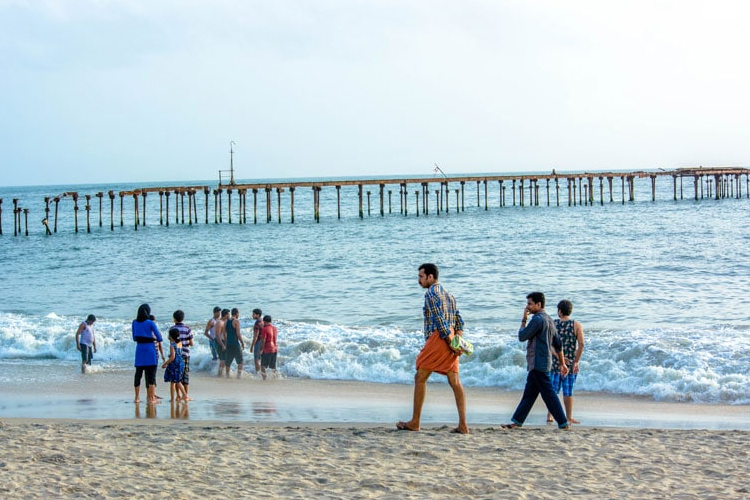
[521, 190]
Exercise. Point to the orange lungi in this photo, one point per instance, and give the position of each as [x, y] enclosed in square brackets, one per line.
[436, 356]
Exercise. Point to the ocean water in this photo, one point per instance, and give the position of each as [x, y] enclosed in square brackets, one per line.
[660, 287]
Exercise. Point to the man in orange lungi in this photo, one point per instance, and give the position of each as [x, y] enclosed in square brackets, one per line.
[442, 322]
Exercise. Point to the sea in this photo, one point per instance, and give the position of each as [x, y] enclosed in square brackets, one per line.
[660, 287]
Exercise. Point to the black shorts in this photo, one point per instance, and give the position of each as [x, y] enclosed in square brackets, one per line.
[233, 352]
[268, 360]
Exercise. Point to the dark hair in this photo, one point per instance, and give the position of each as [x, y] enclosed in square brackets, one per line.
[224, 312]
[235, 311]
[267, 318]
[91, 318]
[144, 311]
[174, 334]
[565, 307]
[537, 298]
[178, 316]
[257, 311]
[429, 269]
[217, 309]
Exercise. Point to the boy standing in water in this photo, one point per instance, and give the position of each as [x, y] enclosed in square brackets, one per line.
[210, 332]
[234, 342]
[570, 332]
[255, 345]
[85, 341]
[186, 337]
[269, 346]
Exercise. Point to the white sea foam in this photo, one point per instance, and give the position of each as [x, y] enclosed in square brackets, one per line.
[669, 365]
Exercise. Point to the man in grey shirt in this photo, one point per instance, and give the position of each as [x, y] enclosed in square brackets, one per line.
[539, 336]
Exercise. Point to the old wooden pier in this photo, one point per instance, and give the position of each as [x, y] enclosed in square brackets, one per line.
[586, 188]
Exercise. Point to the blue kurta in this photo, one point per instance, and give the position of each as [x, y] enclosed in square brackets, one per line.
[145, 351]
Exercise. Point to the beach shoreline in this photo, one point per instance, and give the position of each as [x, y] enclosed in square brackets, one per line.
[108, 395]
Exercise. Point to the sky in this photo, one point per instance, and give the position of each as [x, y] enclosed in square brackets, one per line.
[97, 91]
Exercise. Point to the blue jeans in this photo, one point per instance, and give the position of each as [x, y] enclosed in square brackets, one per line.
[539, 383]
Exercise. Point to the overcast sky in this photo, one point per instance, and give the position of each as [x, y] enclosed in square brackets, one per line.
[155, 90]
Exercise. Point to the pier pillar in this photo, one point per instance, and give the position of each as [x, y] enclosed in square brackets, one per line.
[206, 191]
[100, 196]
[463, 192]
[181, 193]
[144, 206]
[653, 188]
[368, 202]
[696, 182]
[437, 201]
[591, 190]
[500, 192]
[216, 206]
[194, 194]
[291, 202]
[75, 209]
[88, 213]
[548, 200]
[416, 197]
[221, 211]
[190, 207]
[166, 211]
[611, 197]
[601, 190]
[674, 187]
[426, 197]
[122, 211]
[255, 205]
[361, 201]
[457, 201]
[514, 192]
[575, 198]
[382, 200]
[161, 208]
[390, 208]
[26, 220]
[338, 202]
[278, 203]
[229, 205]
[268, 203]
[557, 191]
[135, 211]
[486, 196]
[1, 217]
[406, 201]
[15, 217]
[478, 204]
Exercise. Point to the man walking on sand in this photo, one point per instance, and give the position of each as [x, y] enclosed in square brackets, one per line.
[442, 322]
[539, 336]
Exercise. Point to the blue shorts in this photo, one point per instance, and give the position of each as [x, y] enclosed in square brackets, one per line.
[86, 354]
[566, 383]
[257, 353]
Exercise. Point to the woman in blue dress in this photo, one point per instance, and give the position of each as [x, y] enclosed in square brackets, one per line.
[146, 335]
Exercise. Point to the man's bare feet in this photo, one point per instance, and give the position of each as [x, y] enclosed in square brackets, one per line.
[460, 430]
[574, 421]
[407, 426]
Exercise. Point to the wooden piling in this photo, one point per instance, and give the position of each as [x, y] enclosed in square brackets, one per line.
[278, 203]
[88, 213]
[166, 209]
[100, 196]
[26, 220]
[291, 203]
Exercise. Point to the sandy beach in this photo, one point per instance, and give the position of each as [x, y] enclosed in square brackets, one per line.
[319, 439]
[184, 460]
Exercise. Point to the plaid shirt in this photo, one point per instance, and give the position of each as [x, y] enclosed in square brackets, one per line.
[440, 312]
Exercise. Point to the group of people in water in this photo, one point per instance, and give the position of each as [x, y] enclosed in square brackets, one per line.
[225, 338]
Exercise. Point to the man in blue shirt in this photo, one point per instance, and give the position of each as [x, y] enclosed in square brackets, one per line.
[539, 336]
